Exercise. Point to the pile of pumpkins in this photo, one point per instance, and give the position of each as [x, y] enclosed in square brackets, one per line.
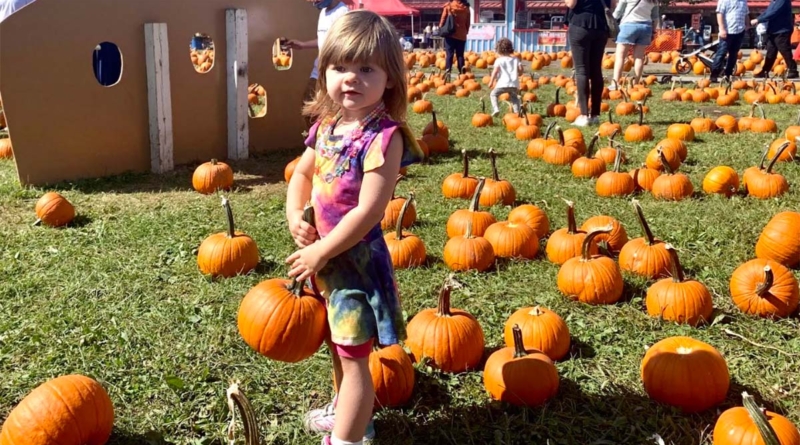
[203, 60]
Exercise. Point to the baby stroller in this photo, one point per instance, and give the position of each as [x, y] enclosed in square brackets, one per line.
[684, 66]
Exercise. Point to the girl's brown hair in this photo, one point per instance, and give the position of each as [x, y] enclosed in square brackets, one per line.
[362, 36]
[504, 46]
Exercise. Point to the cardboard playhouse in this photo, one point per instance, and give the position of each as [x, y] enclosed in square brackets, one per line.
[167, 108]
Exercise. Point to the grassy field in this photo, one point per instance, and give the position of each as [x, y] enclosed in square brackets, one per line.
[118, 296]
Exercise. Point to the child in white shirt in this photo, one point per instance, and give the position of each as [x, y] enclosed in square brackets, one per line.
[505, 77]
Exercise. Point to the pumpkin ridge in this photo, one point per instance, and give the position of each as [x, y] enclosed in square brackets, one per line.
[274, 309]
[55, 392]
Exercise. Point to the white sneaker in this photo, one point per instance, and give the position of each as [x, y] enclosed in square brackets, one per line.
[612, 87]
[581, 121]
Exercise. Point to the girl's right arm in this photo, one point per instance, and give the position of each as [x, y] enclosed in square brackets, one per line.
[297, 196]
[495, 75]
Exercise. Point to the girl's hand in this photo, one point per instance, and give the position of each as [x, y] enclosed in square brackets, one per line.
[304, 234]
[306, 262]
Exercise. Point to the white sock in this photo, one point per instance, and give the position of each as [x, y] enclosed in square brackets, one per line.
[336, 441]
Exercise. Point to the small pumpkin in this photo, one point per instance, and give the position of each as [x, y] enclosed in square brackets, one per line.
[53, 210]
[779, 239]
[609, 128]
[468, 252]
[752, 425]
[496, 190]
[644, 177]
[591, 279]
[422, 105]
[588, 166]
[212, 176]
[722, 180]
[435, 135]
[6, 150]
[536, 147]
[556, 109]
[614, 183]
[678, 299]
[702, 124]
[457, 223]
[682, 132]
[613, 240]
[392, 212]
[687, 373]
[230, 253]
[673, 186]
[765, 288]
[392, 376]
[460, 185]
[646, 256]
[763, 125]
[676, 145]
[482, 119]
[406, 249]
[561, 153]
[533, 217]
[566, 243]
[766, 184]
[67, 410]
[288, 171]
[727, 123]
[656, 157]
[609, 154]
[512, 240]
[542, 329]
[451, 338]
[789, 153]
[282, 320]
[638, 132]
[507, 374]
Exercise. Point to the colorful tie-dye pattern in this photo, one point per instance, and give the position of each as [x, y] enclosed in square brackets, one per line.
[359, 284]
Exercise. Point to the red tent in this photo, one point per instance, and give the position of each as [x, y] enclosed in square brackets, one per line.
[383, 7]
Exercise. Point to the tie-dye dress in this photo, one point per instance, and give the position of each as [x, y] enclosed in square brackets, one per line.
[359, 284]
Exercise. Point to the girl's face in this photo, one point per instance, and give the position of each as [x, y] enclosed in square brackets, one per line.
[356, 86]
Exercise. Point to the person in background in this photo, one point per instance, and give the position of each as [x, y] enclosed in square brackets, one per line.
[779, 21]
[732, 21]
[330, 10]
[426, 36]
[638, 19]
[588, 33]
[505, 76]
[456, 42]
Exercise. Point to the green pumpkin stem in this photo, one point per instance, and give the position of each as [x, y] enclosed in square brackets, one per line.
[610, 119]
[763, 156]
[483, 106]
[587, 242]
[753, 108]
[572, 227]
[675, 264]
[560, 135]
[617, 159]
[519, 346]
[548, 129]
[766, 431]
[648, 234]
[476, 197]
[435, 125]
[763, 288]
[399, 228]
[640, 107]
[775, 158]
[229, 212]
[465, 163]
[213, 161]
[590, 149]
[443, 309]
[663, 160]
[308, 216]
[558, 89]
[761, 109]
[492, 156]
[249, 421]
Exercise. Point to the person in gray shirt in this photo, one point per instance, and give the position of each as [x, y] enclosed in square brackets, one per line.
[638, 19]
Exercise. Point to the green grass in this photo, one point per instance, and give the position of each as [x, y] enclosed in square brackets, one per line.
[118, 296]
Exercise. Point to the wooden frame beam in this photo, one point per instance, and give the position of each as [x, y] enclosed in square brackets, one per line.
[238, 124]
[159, 99]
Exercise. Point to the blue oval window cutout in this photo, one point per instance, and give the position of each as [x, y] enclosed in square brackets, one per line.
[107, 64]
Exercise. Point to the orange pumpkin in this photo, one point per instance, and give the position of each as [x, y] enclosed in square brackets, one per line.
[591, 279]
[752, 425]
[722, 180]
[496, 190]
[566, 243]
[392, 376]
[542, 329]
[765, 288]
[212, 176]
[646, 256]
[231, 253]
[614, 183]
[779, 239]
[54, 210]
[678, 299]
[457, 223]
[406, 249]
[460, 185]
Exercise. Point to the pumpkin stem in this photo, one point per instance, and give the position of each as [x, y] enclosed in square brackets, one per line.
[617, 159]
[641, 112]
[612, 136]
[558, 89]
[238, 400]
[492, 156]
[308, 216]
[227, 206]
[663, 160]
[587, 242]
[765, 429]
[465, 163]
[643, 222]
[590, 150]
[761, 109]
[519, 346]
[610, 118]
[753, 108]
[672, 88]
[435, 125]
[572, 227]
[624, 95]
[443, 309]
[560, 135]
[38, 222]
[548, 129]
[764, 287]
[213, 161]
[399, 228]
[675, 264]
[476, 197]
[483, 106]
[763, 156]
[777, 155]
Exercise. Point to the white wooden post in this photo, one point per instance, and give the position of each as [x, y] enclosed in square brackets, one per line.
[238, 130]
[159, 99]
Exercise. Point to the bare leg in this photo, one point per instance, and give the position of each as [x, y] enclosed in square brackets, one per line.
[619, 60]
[638, 64]
[356, 399]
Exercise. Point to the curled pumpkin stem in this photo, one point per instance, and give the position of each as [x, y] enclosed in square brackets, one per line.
[763, 288]
[587, 242]
[675, 264]
[238, 401]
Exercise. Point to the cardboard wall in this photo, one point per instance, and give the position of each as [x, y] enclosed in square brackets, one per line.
[64, 125]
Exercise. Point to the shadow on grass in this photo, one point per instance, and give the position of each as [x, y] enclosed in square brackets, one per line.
[150, 438]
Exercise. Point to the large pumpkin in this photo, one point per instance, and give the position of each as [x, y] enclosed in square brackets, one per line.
[780, 239]
[687, 373]
[212, 176]
[507, 374]
[68, 410]
[678, 299]
[54, 210]
[542, 329]
[282, 320]
[228, 253]
[750, 425]
[646, 256]
[591, 279]
[392, 376]
[451, 338]
[765, 288]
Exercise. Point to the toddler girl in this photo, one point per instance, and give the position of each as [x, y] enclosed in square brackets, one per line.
[505, 76]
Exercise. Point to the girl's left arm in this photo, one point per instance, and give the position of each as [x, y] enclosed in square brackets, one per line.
[376, 191]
